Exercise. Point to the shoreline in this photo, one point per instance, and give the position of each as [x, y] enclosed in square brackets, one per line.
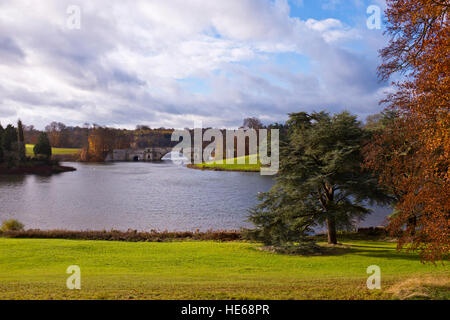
[38, 169]
[197, 167]
[127, 236]
[371, 233]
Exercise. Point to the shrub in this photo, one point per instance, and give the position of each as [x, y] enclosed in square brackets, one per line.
[11, 225]
[130, 235]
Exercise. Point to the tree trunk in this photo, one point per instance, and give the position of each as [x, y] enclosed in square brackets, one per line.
[331, 226]
[411, 225]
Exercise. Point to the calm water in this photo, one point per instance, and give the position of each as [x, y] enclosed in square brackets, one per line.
[140, 196]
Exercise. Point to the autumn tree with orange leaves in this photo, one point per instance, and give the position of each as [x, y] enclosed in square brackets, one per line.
[100, 142]
[412, 151]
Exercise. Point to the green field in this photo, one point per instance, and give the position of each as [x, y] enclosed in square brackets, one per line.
[55, 151]
[233, 166]
[35, 268]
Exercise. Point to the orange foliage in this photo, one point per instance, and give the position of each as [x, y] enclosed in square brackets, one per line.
[101, 141]
[412, 154]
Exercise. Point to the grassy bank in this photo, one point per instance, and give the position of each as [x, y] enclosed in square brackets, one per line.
[235, 166]
[35, 268]
[55, 151]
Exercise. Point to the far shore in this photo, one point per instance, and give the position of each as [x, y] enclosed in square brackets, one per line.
[245, 166]
[229, 168]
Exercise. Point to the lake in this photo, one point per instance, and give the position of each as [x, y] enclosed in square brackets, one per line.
[136, 195]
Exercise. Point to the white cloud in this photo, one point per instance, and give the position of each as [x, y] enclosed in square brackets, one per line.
[332, 29]
[122, 67]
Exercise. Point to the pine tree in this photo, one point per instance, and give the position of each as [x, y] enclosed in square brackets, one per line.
[43, 147]
[321, 181]
[9, 138]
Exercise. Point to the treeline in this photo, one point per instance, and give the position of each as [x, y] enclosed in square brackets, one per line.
[59, 135]
[97, 141]
[102, 140]
[62, 136]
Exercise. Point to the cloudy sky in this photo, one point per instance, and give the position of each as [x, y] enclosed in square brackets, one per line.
[171, 62]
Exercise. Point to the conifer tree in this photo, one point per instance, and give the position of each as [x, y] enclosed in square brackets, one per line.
[20, 141]
[43, 147]
[9, 138]
[321, 180]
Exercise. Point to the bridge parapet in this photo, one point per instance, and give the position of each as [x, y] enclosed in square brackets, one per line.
[145, 154]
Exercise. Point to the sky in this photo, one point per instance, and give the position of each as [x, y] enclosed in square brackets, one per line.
[172, 62]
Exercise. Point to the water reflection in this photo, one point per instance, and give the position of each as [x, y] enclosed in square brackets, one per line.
[126, 195]
[136, 195]
[12, 180]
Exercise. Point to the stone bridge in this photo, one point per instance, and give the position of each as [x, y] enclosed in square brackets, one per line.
[146, 154]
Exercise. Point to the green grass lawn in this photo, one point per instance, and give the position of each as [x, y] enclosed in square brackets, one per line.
[55, 151]
[233, 166]
[35, 268]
